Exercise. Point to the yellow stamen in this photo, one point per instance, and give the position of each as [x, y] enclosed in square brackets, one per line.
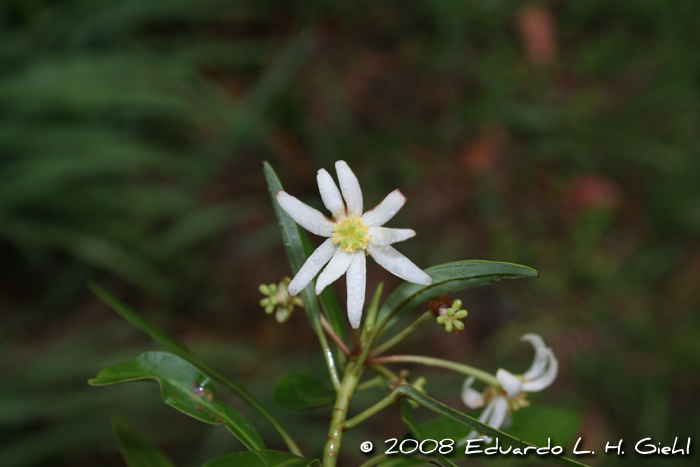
[351, 234]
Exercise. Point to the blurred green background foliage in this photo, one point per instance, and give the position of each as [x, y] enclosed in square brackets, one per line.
[563, 135]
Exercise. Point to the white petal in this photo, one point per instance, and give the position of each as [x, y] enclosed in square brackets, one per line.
[470, 396]
[485, 418]
[350, 188]
[385, 210]
[486, 414]
[511, 384]
[336, 268]
[540, 361]
[386, 236]
[304, 215]
[356, 283]
[330, 195]
[398, 264]
[311, 267]
[499, 413]
[546, 378]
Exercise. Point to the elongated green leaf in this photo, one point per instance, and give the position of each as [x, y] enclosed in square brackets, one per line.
[262, 459]
[293, 245]
[164, 339]
[136, 451]
[447, 278]
[296, 245]
[185, 388]
[407, 417]
[300, 390]
[298, 248]
[450, 413]
[540, 425]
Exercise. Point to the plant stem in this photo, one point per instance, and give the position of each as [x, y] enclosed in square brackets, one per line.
[384, 371]
[371, 316]
[326, 325]
[370, 383]
[484, 376]
[356, 341]
[330, 363]
[417, 324]
[351, 377]
[361, 417]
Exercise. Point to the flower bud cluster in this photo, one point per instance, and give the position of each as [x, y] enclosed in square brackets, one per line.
[451, 317]
[278, 300]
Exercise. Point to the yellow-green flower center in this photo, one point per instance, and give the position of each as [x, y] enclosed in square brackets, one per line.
[351, 234]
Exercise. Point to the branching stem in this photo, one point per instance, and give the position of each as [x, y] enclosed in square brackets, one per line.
[484, 376]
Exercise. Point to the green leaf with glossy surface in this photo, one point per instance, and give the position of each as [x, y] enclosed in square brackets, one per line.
[450, 413]
[447, 278]
[185, 388]
[136, 451]
[262, 459]
[167, 341]
[299, 390]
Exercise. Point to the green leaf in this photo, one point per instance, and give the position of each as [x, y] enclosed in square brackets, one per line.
[447, 278]
[407, 417]
[294, 246]
[300, 390]
[412, 393]
[136, 451]
[298, 248]
[185, 388]
[262, 459]
[167, 341]
[537, 423]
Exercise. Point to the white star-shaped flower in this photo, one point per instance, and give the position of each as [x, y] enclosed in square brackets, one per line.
[352, 236]
[512, 394]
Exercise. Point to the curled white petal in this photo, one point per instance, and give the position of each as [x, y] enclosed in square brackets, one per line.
[385, 210]
[547, 377]
[304, 215]
[397, 264]
[511, 384]
[356, 282]
[386, 236]
[499, 413]
[540, 361]
[330, 194]
[313, 264]
[470, 396]
[338, 265]
[350, 188]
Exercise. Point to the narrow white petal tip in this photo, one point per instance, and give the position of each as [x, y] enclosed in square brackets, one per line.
[350, 187]
[355, 319]
[384, 211]
[534, 339]
[511, 384]
[304, 215]
[330, 194]
[546, 378]
[470, 396]
[294, 289]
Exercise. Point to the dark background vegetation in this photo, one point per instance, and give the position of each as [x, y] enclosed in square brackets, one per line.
[563, 135]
